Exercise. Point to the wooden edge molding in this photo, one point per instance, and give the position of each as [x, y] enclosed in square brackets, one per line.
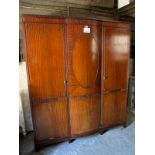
[84, 96]
[48, 100]
[116, 24]
[114, 90]
[41, 19]
[71, 20]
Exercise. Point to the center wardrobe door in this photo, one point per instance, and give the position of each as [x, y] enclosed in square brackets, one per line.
[46, 67]
[84, 77]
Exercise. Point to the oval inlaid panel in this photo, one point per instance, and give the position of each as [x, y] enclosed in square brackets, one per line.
[86, 61]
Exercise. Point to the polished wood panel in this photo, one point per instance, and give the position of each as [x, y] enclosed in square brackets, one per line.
[50, 120]
[84, 73]
[86, 61]
[46, 66]
[77, 81]
[83, 21]
[116, 24]
[115, 58]
[84, 51]
[84, 114]
[114, 81]
[45, 47]
[114, 108]
[42, 19]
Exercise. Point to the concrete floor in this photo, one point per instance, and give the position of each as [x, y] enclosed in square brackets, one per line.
[121, 142]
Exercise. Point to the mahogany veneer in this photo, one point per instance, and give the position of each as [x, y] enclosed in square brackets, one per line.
[77, 81]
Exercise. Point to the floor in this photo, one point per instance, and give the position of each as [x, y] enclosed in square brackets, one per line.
[116, 141]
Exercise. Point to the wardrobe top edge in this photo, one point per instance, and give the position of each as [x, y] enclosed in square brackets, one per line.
[71, 20]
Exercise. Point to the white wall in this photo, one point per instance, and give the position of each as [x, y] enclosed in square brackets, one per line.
[24, 95]
[122, 3]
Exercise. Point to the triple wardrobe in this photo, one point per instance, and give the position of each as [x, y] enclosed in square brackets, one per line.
[77, 75]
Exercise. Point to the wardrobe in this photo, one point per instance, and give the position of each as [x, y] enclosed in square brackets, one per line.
[77, 75]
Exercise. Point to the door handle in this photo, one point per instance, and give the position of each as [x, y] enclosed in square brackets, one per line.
[104, 77]
[65, 82]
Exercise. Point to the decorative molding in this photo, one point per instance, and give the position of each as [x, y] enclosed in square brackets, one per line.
[73, 68]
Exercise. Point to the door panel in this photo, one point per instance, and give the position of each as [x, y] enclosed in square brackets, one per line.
[86, 61]
[115, 58]
[114, 108]
[51, 120]
[84, 76]
[45, 56]
[46, 60]
[85, 114]
[84, 51]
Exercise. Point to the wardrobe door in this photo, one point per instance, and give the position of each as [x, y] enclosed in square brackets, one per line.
[114, 108]
[84, 46]
[84, 114]
[45, 57]
[115, 57]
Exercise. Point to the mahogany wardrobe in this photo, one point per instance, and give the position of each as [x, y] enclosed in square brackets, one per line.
[77, 75]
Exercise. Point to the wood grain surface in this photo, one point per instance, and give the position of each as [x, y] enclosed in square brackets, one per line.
[46, 60]
[114, 108]
[84, 52]
[114, 73]
[84, 114]
[51, 120]
[77, 81]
